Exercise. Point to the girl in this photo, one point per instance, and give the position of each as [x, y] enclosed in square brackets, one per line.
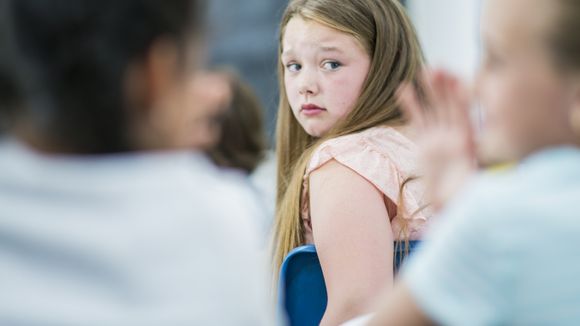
[344, 152]
[511, 235]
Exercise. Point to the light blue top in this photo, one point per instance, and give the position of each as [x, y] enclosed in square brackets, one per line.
[508, 250]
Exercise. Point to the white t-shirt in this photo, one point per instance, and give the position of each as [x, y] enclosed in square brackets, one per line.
[135, 239]
[263, 179]
[507, 252]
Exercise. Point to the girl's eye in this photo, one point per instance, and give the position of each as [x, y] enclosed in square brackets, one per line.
[331, 65]
[293, 67]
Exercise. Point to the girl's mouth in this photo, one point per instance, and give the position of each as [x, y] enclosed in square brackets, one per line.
[311, 109]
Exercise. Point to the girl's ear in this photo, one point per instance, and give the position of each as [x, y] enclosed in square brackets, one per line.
[161, 66]
[148, 80]
[155, 93]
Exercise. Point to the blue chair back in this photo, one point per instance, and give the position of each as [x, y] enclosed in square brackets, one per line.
[302, 291]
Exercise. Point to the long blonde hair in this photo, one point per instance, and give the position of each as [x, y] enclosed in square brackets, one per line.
[386, 33]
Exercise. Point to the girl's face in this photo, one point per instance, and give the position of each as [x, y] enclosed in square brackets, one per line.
[526, 101]
[324, 71]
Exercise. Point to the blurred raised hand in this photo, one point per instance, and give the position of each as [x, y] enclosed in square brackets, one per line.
[439, 115]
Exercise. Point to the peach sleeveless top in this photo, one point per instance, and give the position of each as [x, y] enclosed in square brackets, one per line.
[386, 159]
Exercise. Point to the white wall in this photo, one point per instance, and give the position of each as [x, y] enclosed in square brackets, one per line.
[449, 33]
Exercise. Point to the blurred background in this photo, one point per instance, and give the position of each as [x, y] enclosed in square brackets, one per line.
[244, 35]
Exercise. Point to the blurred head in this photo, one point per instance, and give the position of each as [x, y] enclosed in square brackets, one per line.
[9, 95]
[340, 64]
[8, 101]
[211, 96]
[106, 76]
[529, 82]
[240, 140]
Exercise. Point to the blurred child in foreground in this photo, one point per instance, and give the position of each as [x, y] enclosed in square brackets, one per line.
[505, 251]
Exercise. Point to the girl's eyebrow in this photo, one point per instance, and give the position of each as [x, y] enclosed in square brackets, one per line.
[286, 53]
[330, 49]
[322, 48]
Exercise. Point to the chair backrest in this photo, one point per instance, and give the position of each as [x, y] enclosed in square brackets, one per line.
[302, 291]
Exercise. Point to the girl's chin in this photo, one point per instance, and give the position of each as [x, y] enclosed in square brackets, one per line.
[315, 133]
[314, 130]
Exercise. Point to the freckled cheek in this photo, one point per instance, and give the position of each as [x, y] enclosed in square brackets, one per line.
[343, 97]
[291, 93]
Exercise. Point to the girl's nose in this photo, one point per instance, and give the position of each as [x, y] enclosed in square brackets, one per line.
[308, 84]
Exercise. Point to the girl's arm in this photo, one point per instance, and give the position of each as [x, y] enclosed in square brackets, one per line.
[400, 308]
[353, 237]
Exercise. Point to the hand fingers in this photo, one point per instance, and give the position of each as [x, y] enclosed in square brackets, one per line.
[428, 81]
[461, 114]
[437, 96]
[444, 83]
[454, 109]
[410, 105]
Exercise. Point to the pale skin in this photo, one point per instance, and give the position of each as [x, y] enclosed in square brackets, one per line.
[353, 237]
[528, 105]
[350, 221]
